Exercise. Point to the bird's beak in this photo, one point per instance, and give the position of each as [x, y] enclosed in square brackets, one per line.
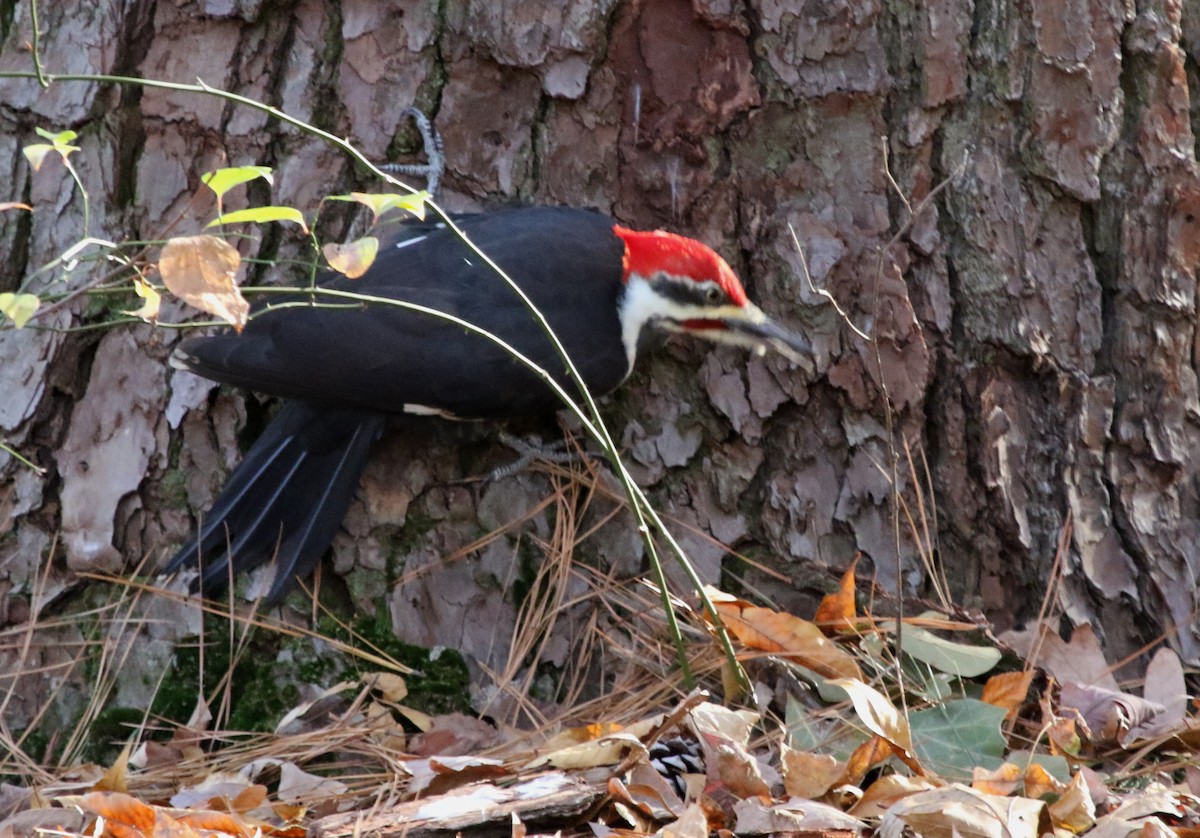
[757, 327]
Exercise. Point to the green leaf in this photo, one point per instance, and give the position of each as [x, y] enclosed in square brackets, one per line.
[222, 180]
[953, 738]
[819, 733]
[60, 139]
[379, 203]
[18, 307]
[956, 658]
[261, 215]
[36, 153]
[1056, 766]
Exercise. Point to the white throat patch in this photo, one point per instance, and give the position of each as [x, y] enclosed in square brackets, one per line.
[639, 305]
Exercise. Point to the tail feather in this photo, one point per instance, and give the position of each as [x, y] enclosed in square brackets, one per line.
[286, 499]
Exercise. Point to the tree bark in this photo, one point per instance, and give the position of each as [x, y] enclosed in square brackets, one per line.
[1002, 195]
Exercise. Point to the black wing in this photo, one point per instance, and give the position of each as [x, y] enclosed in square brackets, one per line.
[385, 358]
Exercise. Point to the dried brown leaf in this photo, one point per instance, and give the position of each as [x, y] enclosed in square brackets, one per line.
[785, 635]
[352, 259]
[737, 770]
[878, 713]
[116, 777]
[608, 750]
[201, 271]
[800, 817]
[151, 302]
[886, 791]
[1081, 661]
[837, 611]
[1008, 690]
[118, 808]
[865, 757]
[225, 822]
[1003, 781]
[1039, 782]
[809, 775]
[691, 824]
[960, 811]
[1074, 810]
[1110, 715]
[453, 735]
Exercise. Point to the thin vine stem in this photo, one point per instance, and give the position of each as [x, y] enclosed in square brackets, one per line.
[648, 520]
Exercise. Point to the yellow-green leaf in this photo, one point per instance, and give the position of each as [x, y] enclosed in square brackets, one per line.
[200, 270]
[60, 139]
[36, 153]
[221, 181]
[260, 215]
[379, 203]
[18, 307]
[353, 258]
[151, 301]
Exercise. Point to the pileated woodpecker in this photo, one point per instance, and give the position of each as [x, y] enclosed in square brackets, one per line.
[346, 369]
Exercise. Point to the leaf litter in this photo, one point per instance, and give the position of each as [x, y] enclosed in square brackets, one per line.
[849, 731]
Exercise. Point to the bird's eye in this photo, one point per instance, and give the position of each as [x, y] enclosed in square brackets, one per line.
[713, 296]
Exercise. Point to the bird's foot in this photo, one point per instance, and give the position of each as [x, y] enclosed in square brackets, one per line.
[529, 450]
[433, 170]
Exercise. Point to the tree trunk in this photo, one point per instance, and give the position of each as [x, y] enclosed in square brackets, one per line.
[1002, 196]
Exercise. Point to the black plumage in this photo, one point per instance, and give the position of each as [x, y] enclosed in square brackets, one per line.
[346, 370]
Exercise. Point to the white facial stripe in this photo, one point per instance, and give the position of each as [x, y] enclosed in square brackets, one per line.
[641, 306]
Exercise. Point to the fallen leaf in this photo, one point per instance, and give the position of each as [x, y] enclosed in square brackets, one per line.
[691, 824]
[453, 735]
[607, 750]
[1074, 810]
[886, 791]
[958, 659]
[116, 777]
[783, 634]
[735, 769]
[298, 787]
[1081, 661]
[958, 811]
[1008, 690]
[794, 816]
[1111, 715]
[1165, 687]
[1039, 782]
[809, 775]
[1002, 781]
[837, 611]
[878, 713]
[734, 725]
[865, 757]
[437, 776]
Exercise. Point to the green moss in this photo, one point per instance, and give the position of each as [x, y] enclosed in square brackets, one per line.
[439, 684]
[108, 734]
[173, 488]
[260, 690]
